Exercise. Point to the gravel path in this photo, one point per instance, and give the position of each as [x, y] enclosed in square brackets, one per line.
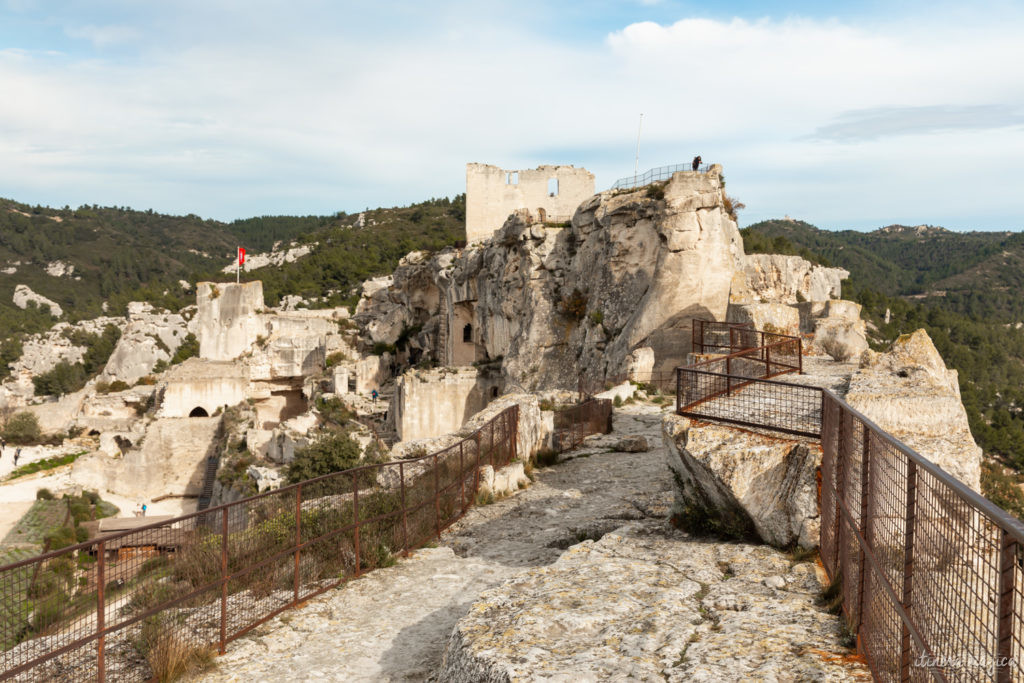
[393, 624]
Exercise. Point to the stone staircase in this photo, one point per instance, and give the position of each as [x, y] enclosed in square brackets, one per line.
[206, 495]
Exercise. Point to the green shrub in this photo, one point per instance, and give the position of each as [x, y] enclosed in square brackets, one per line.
[618, 401]
[596, 317]
[22, 428]
[189, 347]
[331, 452]
[44, 494]
[574, 306]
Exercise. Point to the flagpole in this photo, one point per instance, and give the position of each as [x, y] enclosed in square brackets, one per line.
[238, 265]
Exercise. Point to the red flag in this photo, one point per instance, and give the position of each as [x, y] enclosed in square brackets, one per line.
[241, 256]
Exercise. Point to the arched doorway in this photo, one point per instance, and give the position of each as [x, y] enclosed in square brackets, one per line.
[199, 411]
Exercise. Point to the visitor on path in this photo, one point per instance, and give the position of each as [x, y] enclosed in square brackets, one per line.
[17, 454]
[696, 163]
[143, 509]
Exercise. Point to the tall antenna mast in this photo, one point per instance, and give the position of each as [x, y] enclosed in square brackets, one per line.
[636, 162]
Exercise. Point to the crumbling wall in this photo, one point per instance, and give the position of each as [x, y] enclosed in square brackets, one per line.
[493, 193]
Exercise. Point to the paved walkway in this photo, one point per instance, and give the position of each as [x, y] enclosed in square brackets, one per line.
[393, 624]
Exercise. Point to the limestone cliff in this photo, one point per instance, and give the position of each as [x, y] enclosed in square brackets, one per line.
[622, 281]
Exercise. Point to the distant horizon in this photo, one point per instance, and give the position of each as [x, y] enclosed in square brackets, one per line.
[741, 223]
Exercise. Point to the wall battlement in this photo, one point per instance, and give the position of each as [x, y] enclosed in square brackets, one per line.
[493, 193]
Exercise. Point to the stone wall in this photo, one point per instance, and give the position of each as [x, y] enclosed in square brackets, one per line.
[208, 385]
[171, 460]
[431, 403]
[492, 194]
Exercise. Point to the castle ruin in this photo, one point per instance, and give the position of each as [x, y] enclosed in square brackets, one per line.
[492, 193]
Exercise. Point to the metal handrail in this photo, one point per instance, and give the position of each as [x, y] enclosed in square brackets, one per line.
[656, 174]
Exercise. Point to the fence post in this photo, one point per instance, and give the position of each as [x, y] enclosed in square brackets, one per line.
[865, 524]
[768, 361]
[298, 541]
[800, 356]
[224, 581]
[728, 373]
[906, 649]
[842, 450]
[355, 518]
[437, 499]
[1007, 588]
[101, 608]
[462, 481]
[405, 520]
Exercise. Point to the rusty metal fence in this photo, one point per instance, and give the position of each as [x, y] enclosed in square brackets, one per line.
[593, 416]
[126, 606]
[932, 573]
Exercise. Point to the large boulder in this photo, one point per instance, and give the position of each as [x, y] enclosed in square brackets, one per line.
[909, 392]
[776, 318]
[742, 484]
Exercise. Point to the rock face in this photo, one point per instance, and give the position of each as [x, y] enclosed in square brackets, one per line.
[767, 317]
[199, 388]
[228, 320]
[23, 296]
[171, 459]
[909, 392]
[148, 338]
[642, 603]
[613, 292]
[743, 484]
[789, 279]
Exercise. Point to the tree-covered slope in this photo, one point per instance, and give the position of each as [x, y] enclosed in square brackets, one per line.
[121, 255]
[965, 289]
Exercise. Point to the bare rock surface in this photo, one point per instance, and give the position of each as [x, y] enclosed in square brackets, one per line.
[394, 624]
[23, 296]
[909, 392]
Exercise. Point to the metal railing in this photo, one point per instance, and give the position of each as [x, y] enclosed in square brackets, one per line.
[572, 425]
[930, 572]
[121, 604]
[654, 175]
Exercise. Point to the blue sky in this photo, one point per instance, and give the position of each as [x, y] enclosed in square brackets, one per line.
[847, 115]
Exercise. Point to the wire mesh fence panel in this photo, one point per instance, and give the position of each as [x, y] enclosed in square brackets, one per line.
[132, 604]
[930, 571]
[742, 400]
[572, 425]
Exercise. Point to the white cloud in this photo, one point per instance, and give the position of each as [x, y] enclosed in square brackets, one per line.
[270, 119]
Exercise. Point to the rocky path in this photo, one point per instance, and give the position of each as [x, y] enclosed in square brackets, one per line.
[393, 624]
[646, 602]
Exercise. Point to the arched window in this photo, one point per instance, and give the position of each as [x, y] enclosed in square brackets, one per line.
[199, 411]
[467, 333]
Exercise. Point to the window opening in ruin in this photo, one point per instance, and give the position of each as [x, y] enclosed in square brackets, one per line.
[512, 178]
[553, 187]
[467, 333]
[199, 411]
[494, 392]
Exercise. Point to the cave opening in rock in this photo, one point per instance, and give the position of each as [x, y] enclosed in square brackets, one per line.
[199, 411]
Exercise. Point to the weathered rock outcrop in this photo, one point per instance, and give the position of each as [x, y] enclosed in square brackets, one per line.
[23, 297]
[429, 403]
[228, 321]
[788, 279]
[742, 484]
[643, 603]
[148, 338]
[614, 292]
[909, 392]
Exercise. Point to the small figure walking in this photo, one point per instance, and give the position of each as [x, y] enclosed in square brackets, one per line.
[17, 454]
[375, 395]
[143, 509]
[696, 163]
[3, 446]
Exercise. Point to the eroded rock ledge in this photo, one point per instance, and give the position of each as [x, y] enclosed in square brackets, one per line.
[647, 602]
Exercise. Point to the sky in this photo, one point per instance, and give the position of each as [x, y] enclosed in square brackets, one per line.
[846, 115]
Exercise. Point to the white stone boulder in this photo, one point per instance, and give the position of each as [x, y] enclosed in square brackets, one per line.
[23, 296]
[621, 391]
[909, 392]
[777, 318]
[742, 484]
[842, 339]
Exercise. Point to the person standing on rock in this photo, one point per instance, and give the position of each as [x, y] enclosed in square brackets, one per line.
[696, 163]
